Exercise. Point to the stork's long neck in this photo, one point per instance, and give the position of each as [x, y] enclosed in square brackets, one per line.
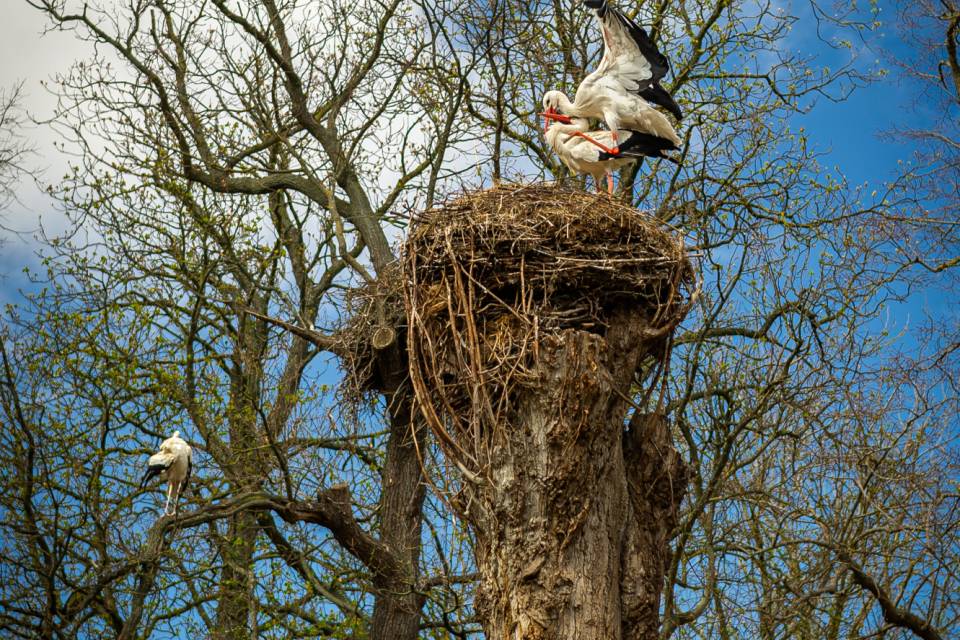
[567, 107]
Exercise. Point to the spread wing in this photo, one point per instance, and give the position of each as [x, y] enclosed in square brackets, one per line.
[630, 57]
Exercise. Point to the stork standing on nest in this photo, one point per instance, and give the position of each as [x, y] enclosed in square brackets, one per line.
[172, 463]
[577, 148]
[627, 80]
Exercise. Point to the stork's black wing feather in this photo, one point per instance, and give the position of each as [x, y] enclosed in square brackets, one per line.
[658, 95]
[152, 471]
[640, 145]
[659, 65]
[186, 478]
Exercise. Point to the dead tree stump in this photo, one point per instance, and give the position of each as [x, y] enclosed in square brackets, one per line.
[535, 316]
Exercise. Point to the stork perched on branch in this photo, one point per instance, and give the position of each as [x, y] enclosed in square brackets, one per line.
[172, 463]
[623, 86]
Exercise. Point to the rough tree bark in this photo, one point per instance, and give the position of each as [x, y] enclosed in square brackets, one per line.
[396, 613]
[234, 607]
[246, 469]
[575, 543]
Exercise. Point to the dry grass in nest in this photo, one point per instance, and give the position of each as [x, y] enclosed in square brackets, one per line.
[490, 275]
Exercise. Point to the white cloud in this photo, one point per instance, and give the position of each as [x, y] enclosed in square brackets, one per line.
[30, 56]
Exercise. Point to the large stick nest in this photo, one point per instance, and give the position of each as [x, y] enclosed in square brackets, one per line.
[491, 275]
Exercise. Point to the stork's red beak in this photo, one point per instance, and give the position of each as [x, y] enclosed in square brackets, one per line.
[546, 118]
[551, 114]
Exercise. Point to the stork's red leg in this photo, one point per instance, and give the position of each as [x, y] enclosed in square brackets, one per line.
[602, 146]
[609, 182]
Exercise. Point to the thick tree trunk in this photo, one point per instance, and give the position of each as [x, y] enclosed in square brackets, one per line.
[246, 469]
[575, 541]
[396, 614]
[234, 610]
[396, 611]
[656, 483]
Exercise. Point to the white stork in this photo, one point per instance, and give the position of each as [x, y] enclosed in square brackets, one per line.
[625, 82]
[579, 150]
[172, 463]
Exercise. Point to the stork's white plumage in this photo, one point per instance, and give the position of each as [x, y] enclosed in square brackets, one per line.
[620, 90]
[629, 113]
[172, 463]
[578, 149]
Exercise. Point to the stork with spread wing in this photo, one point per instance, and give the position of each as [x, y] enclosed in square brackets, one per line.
[624, 85]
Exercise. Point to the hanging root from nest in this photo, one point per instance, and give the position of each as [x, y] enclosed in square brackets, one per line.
[530, 312]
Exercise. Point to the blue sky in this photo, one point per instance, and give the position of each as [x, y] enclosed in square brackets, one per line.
[847, 132]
